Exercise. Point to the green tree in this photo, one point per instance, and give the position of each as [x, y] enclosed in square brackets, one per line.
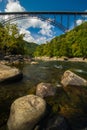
[11, 41]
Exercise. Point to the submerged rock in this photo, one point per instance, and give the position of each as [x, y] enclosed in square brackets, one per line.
[26, 112]
[45, 90]
[54, 122]
[57, 122]
[71, 79]
[9, 74]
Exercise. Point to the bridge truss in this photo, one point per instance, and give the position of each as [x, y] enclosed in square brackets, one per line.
[62, 20]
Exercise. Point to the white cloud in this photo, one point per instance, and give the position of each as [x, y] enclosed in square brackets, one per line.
[36, 39]
[42, 39]
[0, 0]
[42, 36]
[28, 36]
[14, 6]
[79, 21]
[45, 28]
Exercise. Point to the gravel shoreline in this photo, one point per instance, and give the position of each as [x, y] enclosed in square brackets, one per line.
[75, 59]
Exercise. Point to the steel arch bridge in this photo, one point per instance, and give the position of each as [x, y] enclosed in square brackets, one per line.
[55, 18]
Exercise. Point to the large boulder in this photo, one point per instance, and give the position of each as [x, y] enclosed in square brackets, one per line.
[8, 73]
[26, 112]
[45, 89]
[71, 79]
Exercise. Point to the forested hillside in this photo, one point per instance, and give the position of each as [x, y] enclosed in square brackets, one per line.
[11, 41]
[71, 44]
[30, 48]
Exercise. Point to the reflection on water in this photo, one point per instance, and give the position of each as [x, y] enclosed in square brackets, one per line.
[47, 72]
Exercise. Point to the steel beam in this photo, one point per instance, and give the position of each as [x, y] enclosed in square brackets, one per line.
[44, 12]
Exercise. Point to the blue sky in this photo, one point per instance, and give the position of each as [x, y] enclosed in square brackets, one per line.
[35, 29]
[55, 5]
[49, 5]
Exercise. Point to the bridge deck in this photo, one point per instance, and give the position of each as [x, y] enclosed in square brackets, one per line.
[44, 12]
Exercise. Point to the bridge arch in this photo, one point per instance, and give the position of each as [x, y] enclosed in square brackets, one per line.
[45, 16]
[14, 18]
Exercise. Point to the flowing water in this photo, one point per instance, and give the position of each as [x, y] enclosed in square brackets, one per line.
[51, 72]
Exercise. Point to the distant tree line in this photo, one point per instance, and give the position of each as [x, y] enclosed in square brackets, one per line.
[70, 44]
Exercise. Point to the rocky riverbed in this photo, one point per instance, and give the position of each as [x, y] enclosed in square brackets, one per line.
[69, 101]
[24, 111]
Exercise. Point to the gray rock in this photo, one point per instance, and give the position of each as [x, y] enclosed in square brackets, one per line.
[45, 89]
[8, 73]
[26, 112]
[71, 79]
[55, 122]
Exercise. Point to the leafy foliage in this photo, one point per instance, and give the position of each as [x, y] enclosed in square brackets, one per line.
[71, 44]
[11, 41]
[30, 48]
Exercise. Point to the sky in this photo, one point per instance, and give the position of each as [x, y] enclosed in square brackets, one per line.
[35, 29]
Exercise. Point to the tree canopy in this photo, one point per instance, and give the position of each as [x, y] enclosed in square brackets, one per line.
[71, 44]
[11, 41]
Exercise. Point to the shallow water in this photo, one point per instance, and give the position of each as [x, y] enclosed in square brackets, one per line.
[52, 72]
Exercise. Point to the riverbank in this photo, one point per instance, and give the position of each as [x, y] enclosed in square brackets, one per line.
[17, 59]
[75, 59]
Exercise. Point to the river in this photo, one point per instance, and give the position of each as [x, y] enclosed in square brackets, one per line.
[73, 108]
